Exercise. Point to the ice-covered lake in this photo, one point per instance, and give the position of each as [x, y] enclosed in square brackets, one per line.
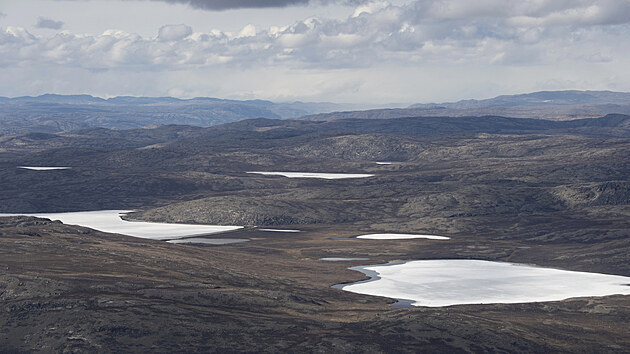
[314, 175]
[42, 168]
[401, 237]
[110, 221]
[435, 283]
[279, 230]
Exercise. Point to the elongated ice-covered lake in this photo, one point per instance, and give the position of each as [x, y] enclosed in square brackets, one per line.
[42, 168]
[435, 283]
[110, 221]
[401, 237]
[314, 175]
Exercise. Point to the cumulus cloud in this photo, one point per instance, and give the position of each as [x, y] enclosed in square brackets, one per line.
[43, 22]
[370, 7]
[170, 33]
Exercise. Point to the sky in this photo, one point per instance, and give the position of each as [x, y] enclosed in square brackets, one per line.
[344, 51]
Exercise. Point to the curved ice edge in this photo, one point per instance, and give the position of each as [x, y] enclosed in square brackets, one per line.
[374, 276]
[138, 227]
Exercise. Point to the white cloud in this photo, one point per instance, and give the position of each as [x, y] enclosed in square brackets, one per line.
[370, 8]
[171, 33]
[247, 31]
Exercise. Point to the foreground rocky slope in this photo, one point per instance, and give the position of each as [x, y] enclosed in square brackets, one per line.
[68, 288]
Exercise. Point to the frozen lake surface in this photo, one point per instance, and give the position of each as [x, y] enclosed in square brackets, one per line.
[435, 283]
[279, 230]
[35, 168]
[401, 237]
[313, 175]
[209, 241]
[110, 221]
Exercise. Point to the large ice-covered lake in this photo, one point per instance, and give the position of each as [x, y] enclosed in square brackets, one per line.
[435, 283]
[314, 175]
[110, 221]
[401, 237]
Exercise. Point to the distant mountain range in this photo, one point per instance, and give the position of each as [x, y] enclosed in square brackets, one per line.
[281, 109]
[541, 98]
[554, 105]
[52, 113]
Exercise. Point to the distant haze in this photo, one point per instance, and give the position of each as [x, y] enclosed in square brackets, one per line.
[554, 105]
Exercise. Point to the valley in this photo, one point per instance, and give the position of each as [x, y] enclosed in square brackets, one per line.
[531, 191]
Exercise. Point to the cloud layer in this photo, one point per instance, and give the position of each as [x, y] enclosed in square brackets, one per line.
[217, 5]
[428, 33]
[521, 32]
[236, 4]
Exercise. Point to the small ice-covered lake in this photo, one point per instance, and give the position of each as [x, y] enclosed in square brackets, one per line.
[435, 283]
[401, 237]
[279, 230]
[42, 168]
[110, 221]
[314, 175]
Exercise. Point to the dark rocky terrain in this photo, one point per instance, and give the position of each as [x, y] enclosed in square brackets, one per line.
[493, 184]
